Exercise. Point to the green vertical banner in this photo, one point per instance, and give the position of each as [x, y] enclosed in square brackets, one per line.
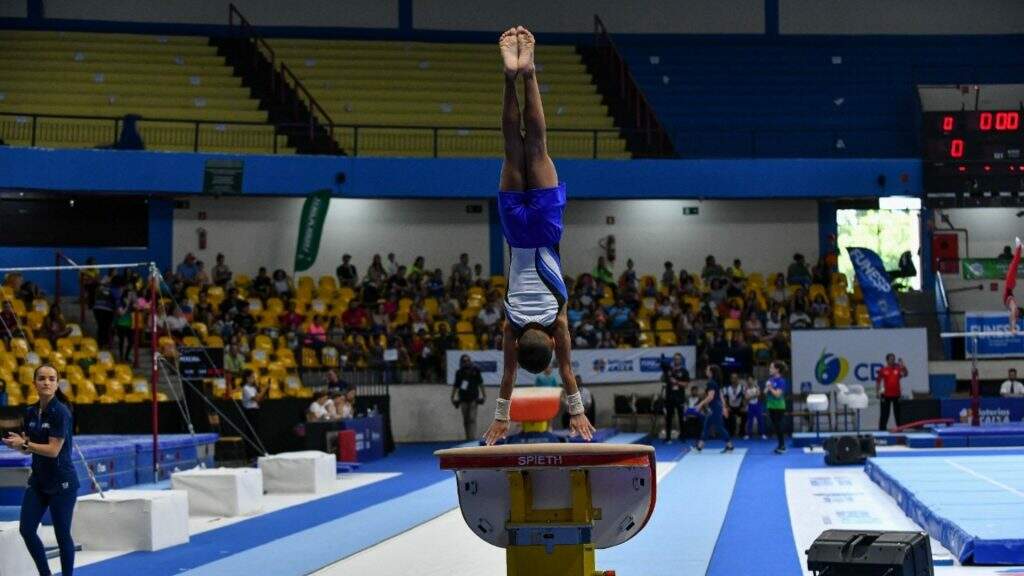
[311, 227]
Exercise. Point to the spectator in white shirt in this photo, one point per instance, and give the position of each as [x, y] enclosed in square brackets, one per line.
[317, 411]
[1011, 387]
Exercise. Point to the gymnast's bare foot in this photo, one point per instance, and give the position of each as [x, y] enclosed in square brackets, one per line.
[526, 45]
[509, 45]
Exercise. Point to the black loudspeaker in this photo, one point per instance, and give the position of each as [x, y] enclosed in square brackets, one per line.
[870, 553]
[848, 449]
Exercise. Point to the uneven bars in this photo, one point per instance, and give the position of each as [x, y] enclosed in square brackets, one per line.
[980, 334]
[79, 267]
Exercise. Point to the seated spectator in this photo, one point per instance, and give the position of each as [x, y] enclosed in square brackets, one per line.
[221, 272]
[376, 275]
[753, 328]
[628, 279]
[391, 265]
[773, 325]
[547, 379]
[355, 318]
[54, 326]
[687, 287]
[202, 278]
[316, 334]
[602, 273]
[574, 312]
[799, 319]
[262, 285]
[234, 360]
[418, 269]
[282, 285]
[335, 383]
[668, 276]
[717, 293]
[231, 303]
[187, 270]
[800, 301]
[461, 272]
[346, 272]
[488, 317]
[479, 279]
[419, 317]
[290, 320]
[399, 282]
[588, 290]
[821, 312]
[317, 410]
[341, 407]
[798, 272]
[1011, 387]
[27, 292]
[712, 269]
[202, 312]
[1006, 254]
[618, 314]
[244, 321]
[172, 322]
[736, 272]
[435, 285]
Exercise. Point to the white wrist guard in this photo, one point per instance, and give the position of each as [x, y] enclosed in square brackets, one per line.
[501, 409]
[575, 404]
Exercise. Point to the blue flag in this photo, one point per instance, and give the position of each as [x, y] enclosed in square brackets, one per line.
[879, 296]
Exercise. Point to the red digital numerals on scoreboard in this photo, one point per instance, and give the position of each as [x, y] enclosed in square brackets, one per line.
[986, 122]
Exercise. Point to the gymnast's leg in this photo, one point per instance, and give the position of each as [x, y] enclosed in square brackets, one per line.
[540, 170]
[513, 178]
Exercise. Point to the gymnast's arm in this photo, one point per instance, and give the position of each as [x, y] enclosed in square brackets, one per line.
[563, 352]
[579, 424]
[499, 427]
[511, 364]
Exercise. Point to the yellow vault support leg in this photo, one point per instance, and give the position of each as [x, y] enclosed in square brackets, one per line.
[550, 542]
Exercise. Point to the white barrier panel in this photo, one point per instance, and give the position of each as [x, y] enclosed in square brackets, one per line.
[305, 472]
[14, 558]
[602, 366]
[221, 491]
[147, 520]
[822, 358]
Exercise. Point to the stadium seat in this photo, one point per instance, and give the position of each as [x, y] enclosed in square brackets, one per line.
[398, 87]
[176, 81]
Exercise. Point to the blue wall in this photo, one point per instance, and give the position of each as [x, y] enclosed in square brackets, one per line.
[182, 174]
[159, 251]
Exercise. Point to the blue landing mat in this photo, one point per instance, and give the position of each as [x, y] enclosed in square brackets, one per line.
[805, 439]
[974, 505]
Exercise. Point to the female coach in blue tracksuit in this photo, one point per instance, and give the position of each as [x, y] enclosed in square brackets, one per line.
[717, 409]
[53, 483]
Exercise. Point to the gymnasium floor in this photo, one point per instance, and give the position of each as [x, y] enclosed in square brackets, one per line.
[749, 513]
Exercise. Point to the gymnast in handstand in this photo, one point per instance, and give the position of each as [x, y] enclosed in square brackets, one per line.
[1011, 282]
[531, 202]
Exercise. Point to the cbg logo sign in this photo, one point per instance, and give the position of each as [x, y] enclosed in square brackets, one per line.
[830, 368]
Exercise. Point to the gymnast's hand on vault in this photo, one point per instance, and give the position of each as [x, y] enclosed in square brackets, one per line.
[497, 431]
[580, 426]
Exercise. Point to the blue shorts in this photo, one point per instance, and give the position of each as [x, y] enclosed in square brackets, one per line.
[532, 219]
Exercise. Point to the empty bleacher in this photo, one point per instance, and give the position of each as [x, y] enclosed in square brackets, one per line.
[809, 98]
[47, 79]
[398, 92]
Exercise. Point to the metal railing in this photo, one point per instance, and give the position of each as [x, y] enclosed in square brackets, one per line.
[358, 139]
[286, 87]
[644, 123]
[104, 132]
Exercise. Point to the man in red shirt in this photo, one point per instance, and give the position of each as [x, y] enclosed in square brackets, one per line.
[889, 392]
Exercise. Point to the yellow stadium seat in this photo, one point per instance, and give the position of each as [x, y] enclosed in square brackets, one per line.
[19, 347]
[667, 339]
[42, 347]
[309, 358]
[468, 342]
[329, 357]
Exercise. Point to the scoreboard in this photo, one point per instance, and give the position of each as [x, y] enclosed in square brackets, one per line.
[973, 158]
